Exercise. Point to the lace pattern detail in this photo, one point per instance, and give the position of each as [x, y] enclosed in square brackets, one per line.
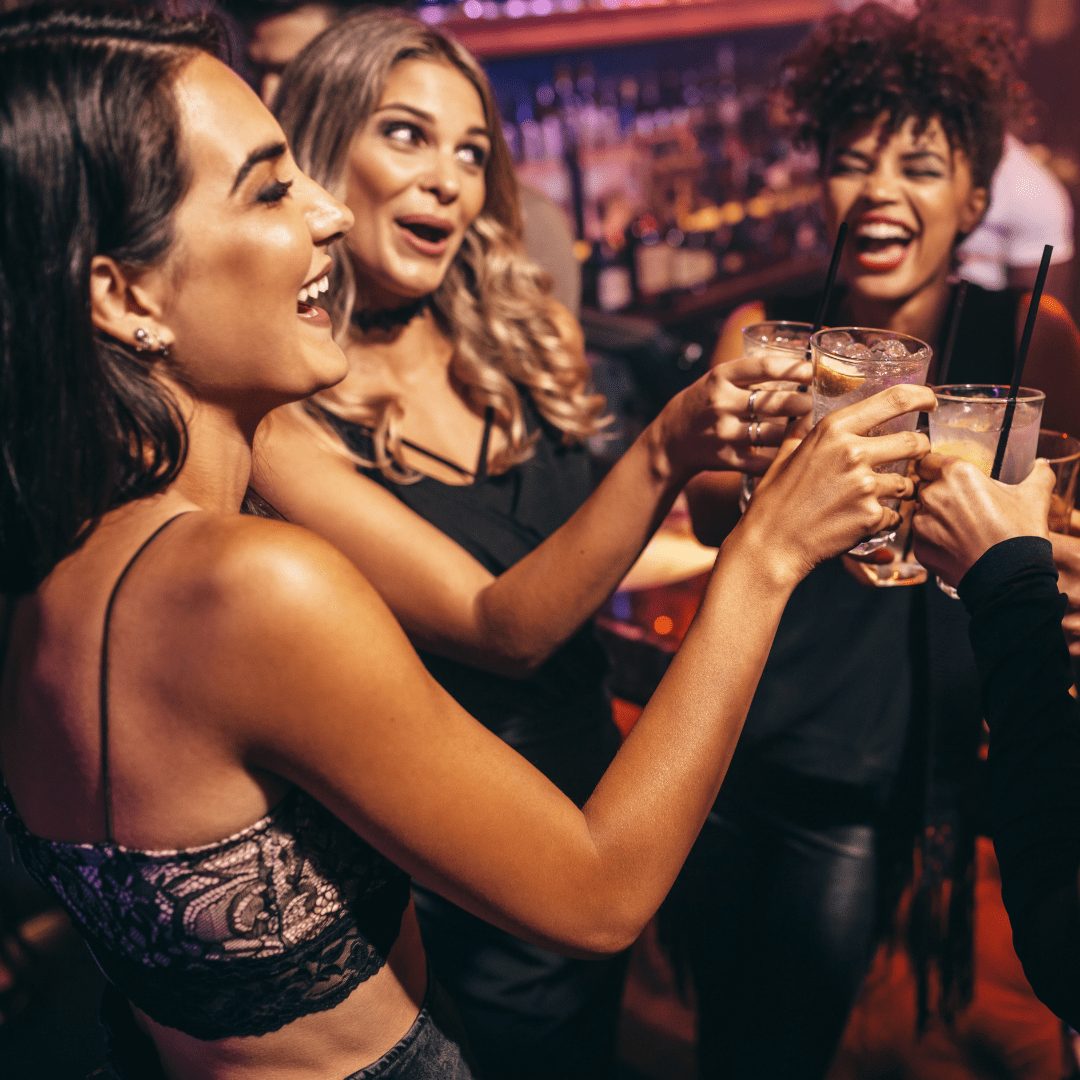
[238, 937]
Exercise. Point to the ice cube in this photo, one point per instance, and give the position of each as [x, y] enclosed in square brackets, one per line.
[890, 347]
[834, 339]
[853, 350]
[923, 355]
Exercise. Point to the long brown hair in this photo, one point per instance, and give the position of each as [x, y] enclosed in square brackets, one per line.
[495, 303]
[92, 164]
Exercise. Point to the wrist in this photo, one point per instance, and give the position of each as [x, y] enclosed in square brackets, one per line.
[775, 565]
[664, 468]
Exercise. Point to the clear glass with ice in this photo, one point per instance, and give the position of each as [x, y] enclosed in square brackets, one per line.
[783, 341]
[967, 424]
[852, 363]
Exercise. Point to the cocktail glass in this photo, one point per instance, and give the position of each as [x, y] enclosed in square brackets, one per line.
[853, 363]
[784, 341]
[967, 424]
[1063, 453]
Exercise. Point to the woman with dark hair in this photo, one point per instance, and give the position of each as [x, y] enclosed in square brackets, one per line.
[778, 897]
[218, 748]
[450, 467]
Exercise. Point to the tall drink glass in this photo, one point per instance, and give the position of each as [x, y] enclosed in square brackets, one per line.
[1063, 453]
[853, 363]
[783, 341]
[967, 424]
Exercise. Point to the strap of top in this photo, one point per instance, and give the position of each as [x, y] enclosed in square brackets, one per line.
[106, 779]
[482, 461]
[485, 442]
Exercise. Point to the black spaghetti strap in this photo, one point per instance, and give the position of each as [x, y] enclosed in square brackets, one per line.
[461, 470]
[436, 457]
[485, 442]
[106, 780]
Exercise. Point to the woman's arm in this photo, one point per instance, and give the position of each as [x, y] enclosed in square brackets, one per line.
[1034, 759]
[991, 539]
[450, 604]
[321, 687]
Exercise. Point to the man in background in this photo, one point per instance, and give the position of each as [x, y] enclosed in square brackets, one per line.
[1029, 207]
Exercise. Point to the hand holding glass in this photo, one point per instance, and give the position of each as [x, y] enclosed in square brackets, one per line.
[853, 363]
[967, 424]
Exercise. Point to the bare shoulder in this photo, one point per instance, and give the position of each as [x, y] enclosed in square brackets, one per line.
[263, 575]
[729, 345]
[1053, 362]
[1052, 313]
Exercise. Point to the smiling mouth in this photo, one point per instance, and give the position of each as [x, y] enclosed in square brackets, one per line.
[881, 245]
[432, 234]
[429, 236]
[305, 299]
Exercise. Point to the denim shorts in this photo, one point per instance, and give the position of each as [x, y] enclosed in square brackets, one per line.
[430, 1050]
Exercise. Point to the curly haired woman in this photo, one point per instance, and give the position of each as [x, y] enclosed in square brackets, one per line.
[449, 466]
[778, 898]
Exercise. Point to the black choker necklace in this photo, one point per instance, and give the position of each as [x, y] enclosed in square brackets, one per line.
[388, 318]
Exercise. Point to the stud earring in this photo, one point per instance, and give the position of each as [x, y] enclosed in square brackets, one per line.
[147, 342]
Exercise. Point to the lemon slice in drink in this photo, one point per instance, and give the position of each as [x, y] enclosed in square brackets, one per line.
[832, 381]
[980, 456]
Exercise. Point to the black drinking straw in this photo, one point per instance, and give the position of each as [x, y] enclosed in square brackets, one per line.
[1021, 356]
[950, 341]
[830, 280]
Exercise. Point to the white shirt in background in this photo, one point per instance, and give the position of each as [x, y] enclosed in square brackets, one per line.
[1029, 207]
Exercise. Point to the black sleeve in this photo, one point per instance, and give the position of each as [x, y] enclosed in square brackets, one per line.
[1034, 760]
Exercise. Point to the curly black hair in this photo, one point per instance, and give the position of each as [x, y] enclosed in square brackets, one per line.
[857, 66]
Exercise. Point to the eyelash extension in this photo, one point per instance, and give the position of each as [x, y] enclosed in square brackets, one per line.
[275, 192]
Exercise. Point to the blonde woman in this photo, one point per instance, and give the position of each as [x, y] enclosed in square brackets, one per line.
[449, 466]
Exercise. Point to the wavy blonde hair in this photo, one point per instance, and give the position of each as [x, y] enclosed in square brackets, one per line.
[494, 304]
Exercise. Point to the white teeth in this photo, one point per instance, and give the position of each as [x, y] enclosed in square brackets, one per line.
[882, 230]
[303, 296]
[324, 283]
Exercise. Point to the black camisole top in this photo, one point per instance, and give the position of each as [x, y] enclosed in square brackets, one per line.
[846, 668]
[559, 718]
[238, 937]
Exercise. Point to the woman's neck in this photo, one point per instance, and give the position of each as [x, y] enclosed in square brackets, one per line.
[401, 357]
[217, 466]
[921, 315]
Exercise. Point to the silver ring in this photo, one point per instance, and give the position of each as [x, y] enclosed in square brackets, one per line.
[750, 404]
[755, 432]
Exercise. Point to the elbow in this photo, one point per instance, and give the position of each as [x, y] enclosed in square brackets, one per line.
[611, 928]
[513, 658]
[602, 941]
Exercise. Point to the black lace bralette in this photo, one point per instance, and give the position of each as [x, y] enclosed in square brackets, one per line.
[237, 937]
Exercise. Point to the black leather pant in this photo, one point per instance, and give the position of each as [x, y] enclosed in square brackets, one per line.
[776, 922]
[528, 1013]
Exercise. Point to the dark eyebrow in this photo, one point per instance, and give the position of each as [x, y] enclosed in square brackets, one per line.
[269, 152]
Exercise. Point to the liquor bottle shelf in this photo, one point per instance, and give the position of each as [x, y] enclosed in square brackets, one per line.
[590, 28]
